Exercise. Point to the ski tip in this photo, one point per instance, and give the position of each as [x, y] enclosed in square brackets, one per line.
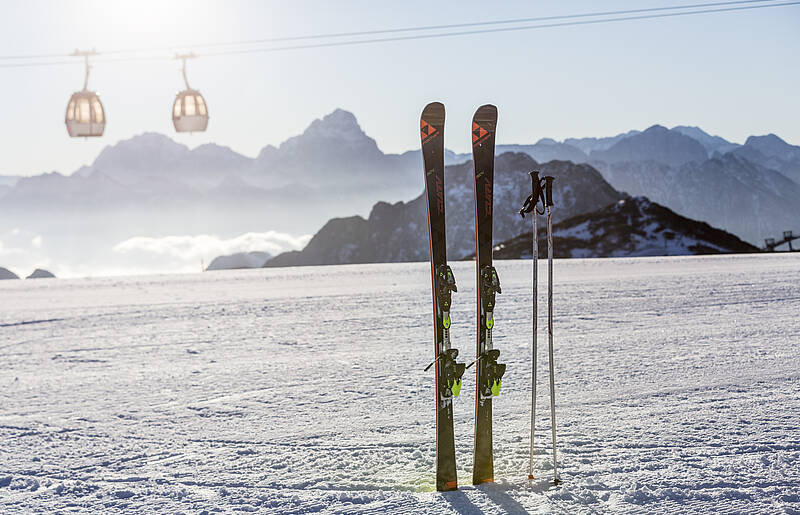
[434, 108]
[431, 122]
[486, 112]
[484, 124]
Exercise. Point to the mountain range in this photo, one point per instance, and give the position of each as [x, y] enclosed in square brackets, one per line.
[152, 186]
[399, 232]
[39, 273]
[591, 220]
[751, 190]
[331, 166]
[634, 226]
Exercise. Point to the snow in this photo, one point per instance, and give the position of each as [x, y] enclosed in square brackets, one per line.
[302, 390]
[580, 231]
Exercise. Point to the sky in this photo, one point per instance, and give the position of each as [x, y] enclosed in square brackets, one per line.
[733, 74]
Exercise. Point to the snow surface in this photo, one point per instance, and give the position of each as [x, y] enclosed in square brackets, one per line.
[302, 390]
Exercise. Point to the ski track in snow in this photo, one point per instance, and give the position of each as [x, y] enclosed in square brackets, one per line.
[302, 390]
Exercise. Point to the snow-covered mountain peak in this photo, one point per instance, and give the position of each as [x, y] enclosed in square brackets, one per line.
[711, 143]
[339, 124]
[207, 148]
[773, 146]
[336, 131]
[588, 145]
[143, 151]
[655, 129]
[768, 139]
[146, 142]
[211, 152]
[657, 143]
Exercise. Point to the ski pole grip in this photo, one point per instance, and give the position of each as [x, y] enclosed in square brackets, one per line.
[548, 190]
[534, 180]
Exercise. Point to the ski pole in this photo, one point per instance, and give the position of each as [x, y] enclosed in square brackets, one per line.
[549, 206]
[535, 255]
[529, 206]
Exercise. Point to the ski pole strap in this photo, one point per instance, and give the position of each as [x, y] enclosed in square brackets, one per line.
[548, 190]
[537, 194]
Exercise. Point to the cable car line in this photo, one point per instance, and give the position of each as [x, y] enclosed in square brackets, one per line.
[682, 11]
[455, 25]
[486, 31]
[107, 60]
[85, 116]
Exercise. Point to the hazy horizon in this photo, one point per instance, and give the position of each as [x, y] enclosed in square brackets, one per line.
[177, 138]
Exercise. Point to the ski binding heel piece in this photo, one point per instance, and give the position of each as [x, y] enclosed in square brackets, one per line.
[458, 371]
[451, 373]
[493, 373]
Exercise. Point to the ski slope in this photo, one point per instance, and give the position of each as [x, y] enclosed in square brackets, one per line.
[302, 390]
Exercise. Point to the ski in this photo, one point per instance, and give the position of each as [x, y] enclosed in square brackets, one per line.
[448, 372]
[488, 372]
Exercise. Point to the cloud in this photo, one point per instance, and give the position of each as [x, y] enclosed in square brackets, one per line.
[21, 250]
[17, 244]
[194, 247]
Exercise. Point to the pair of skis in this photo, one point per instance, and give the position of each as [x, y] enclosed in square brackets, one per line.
[542, 191]
[448, 372]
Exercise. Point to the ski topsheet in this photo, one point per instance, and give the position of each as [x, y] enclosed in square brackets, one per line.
[488, 372]
[447, 371]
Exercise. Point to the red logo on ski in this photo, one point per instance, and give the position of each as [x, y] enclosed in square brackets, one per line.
[427, 131]
[479, 134]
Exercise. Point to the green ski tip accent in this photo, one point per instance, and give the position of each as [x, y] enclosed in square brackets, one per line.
[489, 322]
[456, 388]
[446, 323]
[496, 387]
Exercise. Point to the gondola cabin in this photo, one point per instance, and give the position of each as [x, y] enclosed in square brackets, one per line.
[85, 116]
[189, 112]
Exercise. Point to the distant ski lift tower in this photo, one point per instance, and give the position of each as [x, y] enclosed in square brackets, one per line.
[189, 111]
[85, 116]
[788, 237]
